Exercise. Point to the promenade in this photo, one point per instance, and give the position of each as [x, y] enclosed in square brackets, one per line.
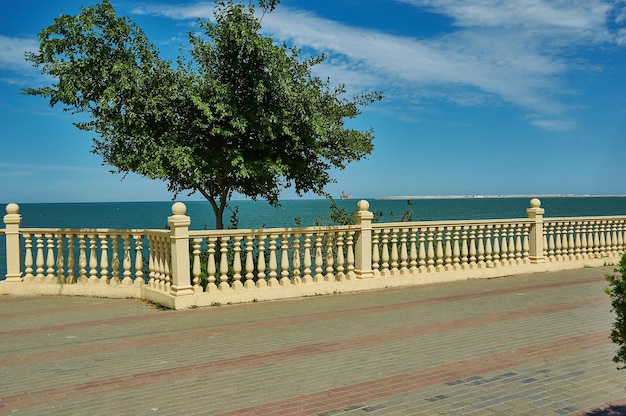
[526, 345]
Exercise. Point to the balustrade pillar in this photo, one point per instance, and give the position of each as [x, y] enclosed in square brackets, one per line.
[535, 213]
[363, 258]
[179, 241]
[12, 222]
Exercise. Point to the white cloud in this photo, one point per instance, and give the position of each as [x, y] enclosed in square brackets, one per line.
[193, 11]
[496, 50]
[12, 53]
[554, 125]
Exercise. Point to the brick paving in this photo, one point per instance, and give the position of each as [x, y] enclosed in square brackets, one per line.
[526, 345]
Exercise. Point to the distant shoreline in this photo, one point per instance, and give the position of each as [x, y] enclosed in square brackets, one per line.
[407, 197]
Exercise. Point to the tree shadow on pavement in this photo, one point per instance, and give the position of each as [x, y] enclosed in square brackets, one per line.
[611, 410]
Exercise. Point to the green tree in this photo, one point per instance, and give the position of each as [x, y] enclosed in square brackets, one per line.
[617, 292]
[239, 114]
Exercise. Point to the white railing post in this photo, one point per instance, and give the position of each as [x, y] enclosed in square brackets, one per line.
[535, 213]
[179, 242]
[363, 257]
[12, 221]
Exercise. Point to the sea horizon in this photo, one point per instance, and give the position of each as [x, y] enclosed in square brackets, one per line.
[354, 198]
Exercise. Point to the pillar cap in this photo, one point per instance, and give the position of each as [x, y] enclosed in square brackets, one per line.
[178, 208]
[13, 208]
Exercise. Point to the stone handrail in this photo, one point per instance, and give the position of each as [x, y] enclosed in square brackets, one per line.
[180, 268]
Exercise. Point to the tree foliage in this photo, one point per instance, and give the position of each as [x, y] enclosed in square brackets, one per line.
[617, 292]
[239, 114]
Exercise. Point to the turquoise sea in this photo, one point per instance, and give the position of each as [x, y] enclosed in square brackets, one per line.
[153, 215]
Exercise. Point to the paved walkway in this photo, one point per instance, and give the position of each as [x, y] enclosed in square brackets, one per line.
[534, 344]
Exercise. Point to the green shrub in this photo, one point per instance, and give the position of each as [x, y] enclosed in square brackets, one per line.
[617, 292]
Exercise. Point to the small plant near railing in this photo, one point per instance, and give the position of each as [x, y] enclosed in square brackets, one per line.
[617, 292]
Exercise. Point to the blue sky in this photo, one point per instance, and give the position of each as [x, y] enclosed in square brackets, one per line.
[481, 97]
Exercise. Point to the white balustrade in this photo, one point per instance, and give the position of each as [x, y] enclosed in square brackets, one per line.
[225, 261]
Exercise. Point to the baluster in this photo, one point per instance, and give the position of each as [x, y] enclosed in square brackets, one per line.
[28, 258]
[161, 263]
[350, 253]
[237, 267]
[50, 277]
[447, 252]
[126, 262]
[104, 259]
[511, 244]
[82, 259]
[394, 252]
[596, 240]
[413, 253]
[603, 252]
[551, 252]
[481, 246]
[620, 237]
[583, 241]
[488, 246]
[340, 257]
[284, 260]
[307, 278]
[422, 249]
[71, 279]
[71, 261]
[456, 250]
[330, 260]
[496, 245]
[565, 242]
[385, 253]
[295, 260]
[430, 252]
[319, 261]
[464, 248]
[375, 251]
[472, 247]
[588, 242]
[558, 240]
[504, 250]
[196, 270]
[138, 261]
[151, 262]
[439, 248]
[526, 243]
[93, 259]
[154, 261]
[60, 258]
[571, 245]
[261, 282]
[159, 272]
[224, 263]
[609, 241]
[614, 243]
[249, 283]
[273, 262]
[404, 252]
[518, 246]
[167, 256]
[39, 262]
[577, 242]
[115, 260]
[211, 266]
